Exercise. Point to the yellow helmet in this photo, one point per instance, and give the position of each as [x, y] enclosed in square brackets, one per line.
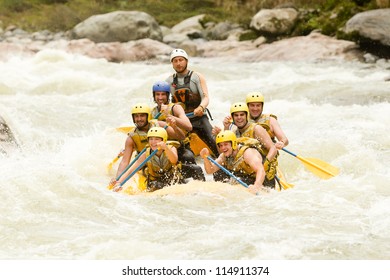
[239, 107]
[141, 108]
[158, 132]
[254, 97]
[225, 136]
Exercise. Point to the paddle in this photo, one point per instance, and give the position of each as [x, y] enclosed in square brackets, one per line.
[227, 172]
[282, 180]
[109, 166]
[318, 167]
[131, 163]
[126, 129]
[174, 143]
[138, 167]
[284, 184]
[128, 166]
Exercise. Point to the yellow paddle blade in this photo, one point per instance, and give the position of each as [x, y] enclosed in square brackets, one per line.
[137, 184]
[124, 129]
[110, 187]
[282, 179]
[109, 166]
[286, 185]
[319, 168]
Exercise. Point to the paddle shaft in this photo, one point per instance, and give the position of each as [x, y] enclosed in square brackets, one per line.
[120, 154]
[324, 171]
[134, 160]
[291, 153]
[131, 163]
[117, 157]
[278, 180]
[227, 172]
[139, 167]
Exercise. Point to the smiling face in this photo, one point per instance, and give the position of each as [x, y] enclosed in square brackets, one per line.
[161, 97]
[255, 109]
[225, 148]
[140, 120]
[153, 141]
[179, 63]
[240, 119]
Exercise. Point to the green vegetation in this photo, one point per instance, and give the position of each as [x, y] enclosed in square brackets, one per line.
[328, 16]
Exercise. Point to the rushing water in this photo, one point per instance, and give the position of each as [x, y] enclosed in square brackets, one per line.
[63, 110]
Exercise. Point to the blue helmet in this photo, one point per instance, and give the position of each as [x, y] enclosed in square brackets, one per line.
[161, 86]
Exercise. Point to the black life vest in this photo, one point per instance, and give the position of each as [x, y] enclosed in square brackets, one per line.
[184, 95]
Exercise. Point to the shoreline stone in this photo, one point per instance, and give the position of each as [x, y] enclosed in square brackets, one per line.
[197, 40]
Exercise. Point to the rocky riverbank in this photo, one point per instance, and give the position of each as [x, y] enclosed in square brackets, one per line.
[124, 36]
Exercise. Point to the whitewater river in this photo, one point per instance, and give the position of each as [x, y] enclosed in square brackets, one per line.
[64, 110]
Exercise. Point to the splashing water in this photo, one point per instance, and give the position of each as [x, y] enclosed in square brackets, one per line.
[64, 109]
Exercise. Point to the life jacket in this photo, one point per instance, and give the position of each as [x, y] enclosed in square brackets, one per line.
[160, 168]
[140, 137]
[264, 121]
[250, 133]
[184, 95]
[237, 164]
[250, 142]
[162, 117]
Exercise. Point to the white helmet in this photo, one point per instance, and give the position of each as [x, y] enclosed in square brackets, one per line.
[178, 52]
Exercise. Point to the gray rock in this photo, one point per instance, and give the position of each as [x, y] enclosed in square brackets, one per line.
[119, 26]
[223, 30]
[374, 25]
[275, 21]
[175, 39]
[189, 25]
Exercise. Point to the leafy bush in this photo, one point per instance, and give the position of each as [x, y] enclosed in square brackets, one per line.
[15, 5]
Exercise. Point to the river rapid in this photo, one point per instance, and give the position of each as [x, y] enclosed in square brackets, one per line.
[64, 109]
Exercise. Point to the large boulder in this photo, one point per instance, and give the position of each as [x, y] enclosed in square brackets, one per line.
[374, 24]
[314, 47]
[190, 27]
[373, 30]
[119, 26]
[275, 22]
[223, 30]
[139, 50]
